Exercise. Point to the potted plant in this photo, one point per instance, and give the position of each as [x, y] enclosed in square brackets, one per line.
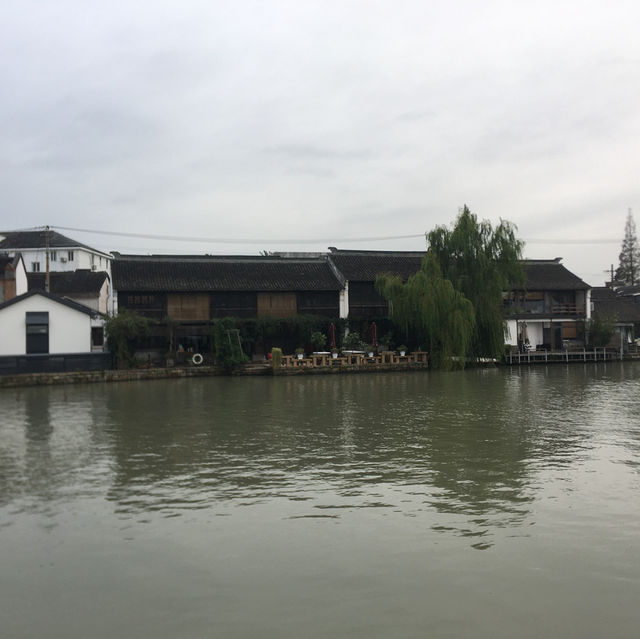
[318, 340]
[352, 342]
[402, 350]
[334, 353]
[300, 352]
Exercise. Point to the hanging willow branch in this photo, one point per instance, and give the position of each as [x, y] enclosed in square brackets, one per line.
[429, 306]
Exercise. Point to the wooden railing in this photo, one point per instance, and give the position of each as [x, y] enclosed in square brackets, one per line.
[543, 357]
[326, 360]
[566, 309]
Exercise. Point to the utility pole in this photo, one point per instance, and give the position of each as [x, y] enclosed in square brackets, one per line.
[47, 281]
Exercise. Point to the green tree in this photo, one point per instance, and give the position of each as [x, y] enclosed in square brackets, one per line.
[481, 262]
[599, 332]
[122, 331]
[226, 341]
[628, 270]
[428, 306]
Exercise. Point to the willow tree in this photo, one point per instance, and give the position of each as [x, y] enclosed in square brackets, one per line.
[428, 306]
[481, 262]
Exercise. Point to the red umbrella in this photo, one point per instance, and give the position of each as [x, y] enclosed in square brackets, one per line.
[374, 335]
[332, 334]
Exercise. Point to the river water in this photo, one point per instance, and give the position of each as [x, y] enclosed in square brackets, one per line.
[483, 503]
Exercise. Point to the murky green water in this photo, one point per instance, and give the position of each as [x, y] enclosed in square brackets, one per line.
[489, 503]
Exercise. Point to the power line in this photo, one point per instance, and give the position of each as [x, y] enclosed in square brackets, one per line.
[573, 241]
[317, 240]
[219, 240]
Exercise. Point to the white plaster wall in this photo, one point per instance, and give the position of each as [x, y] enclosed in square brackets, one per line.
[344, 301]
[103, 302]
[22, 284]
[534, 332]
[69, 330]
[99, 303]
[81, 259]
[87, 300]
[510, 336]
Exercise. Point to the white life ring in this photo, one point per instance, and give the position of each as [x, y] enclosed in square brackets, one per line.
[197, 359]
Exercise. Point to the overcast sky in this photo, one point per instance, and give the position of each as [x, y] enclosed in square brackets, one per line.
[326, 121]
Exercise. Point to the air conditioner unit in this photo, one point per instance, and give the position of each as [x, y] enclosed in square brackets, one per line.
[63, 259]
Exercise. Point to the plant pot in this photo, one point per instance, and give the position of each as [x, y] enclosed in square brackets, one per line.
[299, 355]
[334, 355]
[402, 353]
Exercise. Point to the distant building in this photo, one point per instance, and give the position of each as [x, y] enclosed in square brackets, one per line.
[618, 308]
[360, 269]
[550, 310]
[65, 254]
[190, 291]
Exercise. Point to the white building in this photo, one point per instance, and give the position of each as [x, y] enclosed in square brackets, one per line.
[38, 322]
[64, 254]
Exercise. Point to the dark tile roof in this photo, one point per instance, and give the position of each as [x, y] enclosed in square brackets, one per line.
[602, 293]
[628, 290]
[82, 281]
[365, 266]
[10, 240]
[226, 273]
[548, 275]
[61, 300]
[618, 310]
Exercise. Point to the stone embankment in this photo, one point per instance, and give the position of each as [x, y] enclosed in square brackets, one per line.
[137, 374]
[85, 377]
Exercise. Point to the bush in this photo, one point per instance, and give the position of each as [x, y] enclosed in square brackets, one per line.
[226, 342]
[122, 331]
[318, 340]
[600, 332]
[352, 342]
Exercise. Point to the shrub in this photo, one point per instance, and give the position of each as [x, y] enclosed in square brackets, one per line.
[122, 331]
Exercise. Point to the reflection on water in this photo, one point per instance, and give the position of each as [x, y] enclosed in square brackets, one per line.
[469, 449]
[471, 460]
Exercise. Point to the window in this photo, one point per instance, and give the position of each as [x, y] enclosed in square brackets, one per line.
[97, 336]
[53, 256]
[37, 332]
[35, 267]
[70, 256]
